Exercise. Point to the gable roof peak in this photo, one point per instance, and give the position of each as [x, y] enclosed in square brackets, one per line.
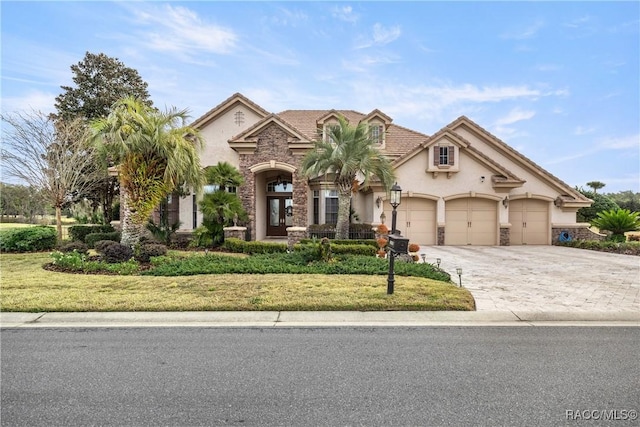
[218, 109]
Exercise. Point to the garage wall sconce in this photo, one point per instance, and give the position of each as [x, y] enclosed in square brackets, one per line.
[482, 178]
[459, 272]
[378, 201]
[383, 217]
[505, 202]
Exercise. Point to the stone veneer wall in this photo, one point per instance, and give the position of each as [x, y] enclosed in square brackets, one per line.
[505, 236]
[272, 145]
[576, 232]
[440, 238]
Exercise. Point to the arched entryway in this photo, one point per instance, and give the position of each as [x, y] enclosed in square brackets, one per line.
[279, 212]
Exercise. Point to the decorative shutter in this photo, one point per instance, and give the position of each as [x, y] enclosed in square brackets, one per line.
[452, 150]
[380, 134]
[436, 155]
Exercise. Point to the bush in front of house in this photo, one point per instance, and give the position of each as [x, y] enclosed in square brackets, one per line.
[243, 247]
[74, 245]
[145, 251]
[91, 239]
[116, 253]
[28, 239]
[626, 248]
[79, 232]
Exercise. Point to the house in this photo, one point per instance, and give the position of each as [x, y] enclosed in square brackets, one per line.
[460, 186]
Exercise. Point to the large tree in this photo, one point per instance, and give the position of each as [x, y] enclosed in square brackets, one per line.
[54, 156]
[155, 153]
[100, 81]
[347, 154]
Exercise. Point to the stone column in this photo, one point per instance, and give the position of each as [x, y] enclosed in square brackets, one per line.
[295, 235]
[235, 232]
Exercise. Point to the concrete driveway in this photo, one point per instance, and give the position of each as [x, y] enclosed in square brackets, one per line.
[543, 278]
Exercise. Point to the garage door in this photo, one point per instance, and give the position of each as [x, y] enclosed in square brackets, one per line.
[471, 221]
[529, 220]
[416, 219]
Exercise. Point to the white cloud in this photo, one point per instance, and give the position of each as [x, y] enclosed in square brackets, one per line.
[344, 13]
[514, 116]
[381, 36]
[292, 18]
[583, 131]
[33, 100]
[180, 30]
[622, 143]
[525, 33]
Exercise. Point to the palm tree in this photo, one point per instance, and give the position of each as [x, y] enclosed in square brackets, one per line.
[347, 153]
[596, 185]
[224, 175]
[618, 221]
[155, 153]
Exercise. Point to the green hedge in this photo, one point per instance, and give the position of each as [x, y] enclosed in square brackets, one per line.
[79, 232]
[91, 239]
[240, 246]
[628, 248]
[371, 242]
[28, 239]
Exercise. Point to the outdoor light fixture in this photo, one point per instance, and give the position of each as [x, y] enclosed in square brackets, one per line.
[482, 178]
[394, 200]
[459, 271]
[383, 217]
[438, 261]
[424, 257]
[395, 195]
[505, 202]
[378, 201]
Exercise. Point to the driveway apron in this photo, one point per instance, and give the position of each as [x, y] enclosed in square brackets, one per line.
[543, 278]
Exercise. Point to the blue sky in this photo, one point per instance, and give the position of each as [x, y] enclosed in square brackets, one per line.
[558, 81]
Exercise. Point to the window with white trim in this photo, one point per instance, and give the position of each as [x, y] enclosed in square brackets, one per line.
[331, 206]
[377, 133]
[443, 155]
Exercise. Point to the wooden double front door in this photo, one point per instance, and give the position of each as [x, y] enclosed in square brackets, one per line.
[279, 215]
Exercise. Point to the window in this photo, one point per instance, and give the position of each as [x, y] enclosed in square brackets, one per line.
[443, 155]
[316, 207]
[327, 132]
[238, 118]
[377, 134]
[331, 207]
[279, 186]
[212, 188]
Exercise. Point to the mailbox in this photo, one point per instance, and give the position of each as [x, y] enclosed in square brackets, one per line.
[398, 244]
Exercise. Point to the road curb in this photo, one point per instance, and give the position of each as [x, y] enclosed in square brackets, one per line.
[315, 319]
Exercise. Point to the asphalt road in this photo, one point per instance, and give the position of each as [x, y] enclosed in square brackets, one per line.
[324, 376]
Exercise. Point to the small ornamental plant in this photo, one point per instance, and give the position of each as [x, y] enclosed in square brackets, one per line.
[382, 242]
[382, 229]
[414, 247]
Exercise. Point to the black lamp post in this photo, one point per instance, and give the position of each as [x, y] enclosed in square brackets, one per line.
[394, 200]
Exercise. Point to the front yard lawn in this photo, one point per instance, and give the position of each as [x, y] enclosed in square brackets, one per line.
[27, 287]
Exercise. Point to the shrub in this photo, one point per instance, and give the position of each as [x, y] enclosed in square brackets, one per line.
[354, 249]
[100, 245]
[74, 245]
[360, 231]
[144, 252]
[91, 239]
[68, 260]
[627, 248]
[618, 221]
[324, 250]
[117, 253]
[240, 246]
[382, 229]
[414, 247]
[28, 239]
[79, 232]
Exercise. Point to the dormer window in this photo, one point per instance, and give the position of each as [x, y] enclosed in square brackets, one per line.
[327, 132]
[377, 134]
[444, 155]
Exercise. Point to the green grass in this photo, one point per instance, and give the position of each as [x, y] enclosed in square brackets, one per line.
[27, 287]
